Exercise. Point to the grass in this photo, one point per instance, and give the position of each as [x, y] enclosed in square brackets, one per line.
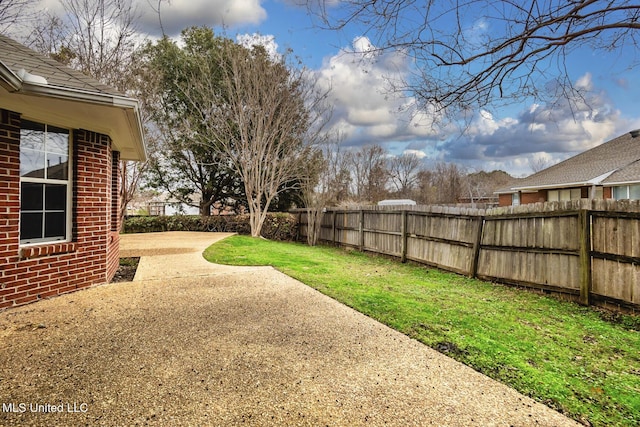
[580, 361]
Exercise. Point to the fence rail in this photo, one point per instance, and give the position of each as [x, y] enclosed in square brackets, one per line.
[586, 250]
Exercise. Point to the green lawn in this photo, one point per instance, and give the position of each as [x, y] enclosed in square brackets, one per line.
[580, 361]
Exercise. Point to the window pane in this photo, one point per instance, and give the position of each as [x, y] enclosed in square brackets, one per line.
[31, 196]
[55, 197]
[553, 196]
[634, 192]
[31, 135]
[44, 154]
[30, 226]
[620, 193]
[31, 163]
[57, 166]
[57, 140]
[55, 224]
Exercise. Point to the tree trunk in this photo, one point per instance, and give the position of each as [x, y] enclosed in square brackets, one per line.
[205, 208]
[314, 225]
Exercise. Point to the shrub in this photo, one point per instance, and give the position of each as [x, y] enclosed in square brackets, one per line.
[277, 226]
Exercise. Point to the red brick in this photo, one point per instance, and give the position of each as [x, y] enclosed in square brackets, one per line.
[6, 304]
[26, 300]
[47, 270]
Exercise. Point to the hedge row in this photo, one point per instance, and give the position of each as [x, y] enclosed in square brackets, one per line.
[277, 226]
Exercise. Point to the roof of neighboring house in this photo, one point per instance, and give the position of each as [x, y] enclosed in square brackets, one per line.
[613, 162]
[42, 89]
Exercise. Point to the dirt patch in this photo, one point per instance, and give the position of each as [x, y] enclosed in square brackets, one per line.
[127, 269]
[449, 348]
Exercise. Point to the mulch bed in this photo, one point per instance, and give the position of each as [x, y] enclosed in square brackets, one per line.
[127, 270]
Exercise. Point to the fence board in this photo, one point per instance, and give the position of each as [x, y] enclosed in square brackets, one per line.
[440, 254]
[613, 279]
[616, 252]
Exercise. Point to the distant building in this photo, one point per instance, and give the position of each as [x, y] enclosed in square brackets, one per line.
[608, 171]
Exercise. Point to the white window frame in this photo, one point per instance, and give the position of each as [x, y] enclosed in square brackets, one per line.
[627, 191]
[564, 194]
[69, 192]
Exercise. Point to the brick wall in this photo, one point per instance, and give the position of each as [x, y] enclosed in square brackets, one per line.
[34, 272]
[113, 254]
[504, 200]
[539, 196]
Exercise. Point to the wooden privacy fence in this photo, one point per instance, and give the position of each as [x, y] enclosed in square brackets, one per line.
[587, 250]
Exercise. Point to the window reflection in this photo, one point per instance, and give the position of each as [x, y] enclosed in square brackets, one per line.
[44, 151]
[44, 187]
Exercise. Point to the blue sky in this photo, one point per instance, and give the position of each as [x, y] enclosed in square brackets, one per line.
[366, 112]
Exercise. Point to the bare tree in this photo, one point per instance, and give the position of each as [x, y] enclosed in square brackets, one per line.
[278, 116]
[130, 175]
[370, 174]
[264, 116]
[479, 186]
[322, 186]
[97, 37]
[16, 16]
[426, 192]
[403, 173]
[443, 184]
[539, 163]
[477, 52]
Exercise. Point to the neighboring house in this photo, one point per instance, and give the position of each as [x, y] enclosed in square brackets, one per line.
[62, 135]
[154, 204]
[608, 171]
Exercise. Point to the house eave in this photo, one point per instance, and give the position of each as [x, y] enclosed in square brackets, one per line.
[116, 116]
[534, 188]
[616, 183]
[598, 180]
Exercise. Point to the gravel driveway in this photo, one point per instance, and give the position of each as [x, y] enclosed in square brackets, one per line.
[189, 343]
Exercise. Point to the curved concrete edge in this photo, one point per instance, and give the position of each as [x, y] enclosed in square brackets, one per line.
[174, 254]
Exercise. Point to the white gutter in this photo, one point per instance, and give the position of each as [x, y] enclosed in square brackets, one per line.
[130, 105]
[544, 187]
[593, 181]
[77, 95]
[9, 80]
[623, 183]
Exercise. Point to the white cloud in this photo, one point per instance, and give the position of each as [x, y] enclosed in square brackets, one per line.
[366, 110]
[179, 14]
[418, 153]
[585, 82]
[541, 132]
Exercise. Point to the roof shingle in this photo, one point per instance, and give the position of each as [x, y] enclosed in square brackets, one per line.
[16, 56]
[619, 157]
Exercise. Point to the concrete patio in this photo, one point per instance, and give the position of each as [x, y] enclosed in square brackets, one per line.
[192, 343]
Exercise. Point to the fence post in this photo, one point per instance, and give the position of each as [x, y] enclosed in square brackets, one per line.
[403, 233]
[333, 227]
[361, 230]
[476, 247]
[584, 219]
